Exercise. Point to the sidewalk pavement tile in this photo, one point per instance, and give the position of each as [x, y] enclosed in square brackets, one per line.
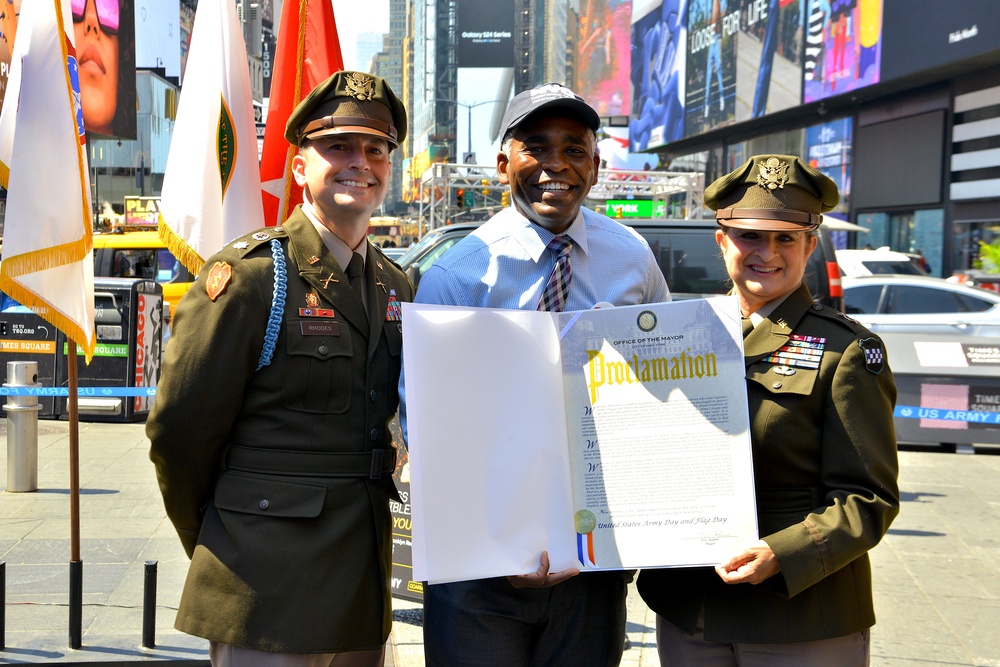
[937, 572]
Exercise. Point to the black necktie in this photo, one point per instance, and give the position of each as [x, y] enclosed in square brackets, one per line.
[355, 275]
[747, 326]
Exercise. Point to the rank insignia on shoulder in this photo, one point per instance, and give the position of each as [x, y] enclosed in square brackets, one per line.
[219, 278]
[261, 236]
[874, 354]
[241, 245]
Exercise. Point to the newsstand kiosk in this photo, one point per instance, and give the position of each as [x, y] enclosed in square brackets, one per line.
[128, 314]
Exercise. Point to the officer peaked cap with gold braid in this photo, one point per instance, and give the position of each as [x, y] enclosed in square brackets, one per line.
[772, 193]
[349, 102]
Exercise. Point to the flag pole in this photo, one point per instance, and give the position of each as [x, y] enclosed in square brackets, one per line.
[75, 563]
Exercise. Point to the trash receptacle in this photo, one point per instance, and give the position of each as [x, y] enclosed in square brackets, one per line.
[948, 388]
[128, 314]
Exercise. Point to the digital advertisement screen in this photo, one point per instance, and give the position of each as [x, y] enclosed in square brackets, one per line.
[485, 33]
[659, 52]
[105, 55]
[828, 149]
[711, 65]
[843, 49]
[602, 60]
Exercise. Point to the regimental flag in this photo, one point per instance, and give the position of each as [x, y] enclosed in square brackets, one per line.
[210, 187]
[308, 52]
[48, 263]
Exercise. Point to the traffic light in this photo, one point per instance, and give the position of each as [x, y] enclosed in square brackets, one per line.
[505, 198]
[486, 190]
[460, 198]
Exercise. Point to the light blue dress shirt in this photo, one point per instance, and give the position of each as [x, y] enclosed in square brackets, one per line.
[506, 263]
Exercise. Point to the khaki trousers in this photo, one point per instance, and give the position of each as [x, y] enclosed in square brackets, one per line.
[224, 655]
[678, 649]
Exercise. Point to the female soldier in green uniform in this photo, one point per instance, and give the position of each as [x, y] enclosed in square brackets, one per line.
[821, 397]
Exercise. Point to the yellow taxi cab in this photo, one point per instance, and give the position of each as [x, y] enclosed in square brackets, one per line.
[141, 254]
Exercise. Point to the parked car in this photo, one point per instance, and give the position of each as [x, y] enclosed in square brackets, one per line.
[976, 278]
[879, 262]
[685, 250]
[394, 253]
[921, 304]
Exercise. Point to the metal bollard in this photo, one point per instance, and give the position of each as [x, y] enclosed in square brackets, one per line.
[149, 605]
[22, 428]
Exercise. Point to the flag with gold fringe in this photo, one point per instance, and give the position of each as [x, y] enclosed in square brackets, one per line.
[210, 187]
[47, 262]
[307, 53]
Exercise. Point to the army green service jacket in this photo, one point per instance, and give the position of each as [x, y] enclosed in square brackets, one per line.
[825, 469]
[277, 478]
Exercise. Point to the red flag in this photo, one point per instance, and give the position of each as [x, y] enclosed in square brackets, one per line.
[307, 53]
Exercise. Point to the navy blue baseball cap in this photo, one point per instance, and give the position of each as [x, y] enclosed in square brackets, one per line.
[547, 96]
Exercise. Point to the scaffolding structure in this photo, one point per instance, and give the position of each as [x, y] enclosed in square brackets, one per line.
[451, 193]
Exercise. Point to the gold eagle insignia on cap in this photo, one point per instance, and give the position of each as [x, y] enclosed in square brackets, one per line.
[773, 174]
[360, 86]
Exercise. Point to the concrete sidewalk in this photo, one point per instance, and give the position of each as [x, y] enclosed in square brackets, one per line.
[937, 574]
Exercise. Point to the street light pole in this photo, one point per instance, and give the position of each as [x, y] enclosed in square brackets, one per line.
[469, 108]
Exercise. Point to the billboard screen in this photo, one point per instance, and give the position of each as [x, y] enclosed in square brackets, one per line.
[105, 55]
[485, 33]
[703, 64]
[936, 34]
[659, 51]
[711, 65]
[843, 47]
[828, 149]
[602, 58]
[8, 28]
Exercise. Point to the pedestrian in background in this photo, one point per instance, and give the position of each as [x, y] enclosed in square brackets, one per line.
[821, 400]
[269, 432]
[546, 252]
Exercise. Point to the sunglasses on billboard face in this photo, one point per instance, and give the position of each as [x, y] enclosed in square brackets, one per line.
[107, 13]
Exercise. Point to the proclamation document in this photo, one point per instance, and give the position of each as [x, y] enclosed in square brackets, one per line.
[612, 438]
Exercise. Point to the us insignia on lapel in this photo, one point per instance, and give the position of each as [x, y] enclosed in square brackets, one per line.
[874, 355]
[218, 278]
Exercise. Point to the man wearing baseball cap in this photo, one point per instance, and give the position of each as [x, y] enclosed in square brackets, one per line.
[269, 432]
[821, 399]
[546, 252]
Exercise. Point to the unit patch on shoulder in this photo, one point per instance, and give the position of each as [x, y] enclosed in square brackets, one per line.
[218, 279]
[874, 354]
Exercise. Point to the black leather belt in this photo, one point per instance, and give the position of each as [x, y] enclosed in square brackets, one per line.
[373, 464]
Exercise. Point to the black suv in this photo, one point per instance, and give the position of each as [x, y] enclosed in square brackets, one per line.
[685, 250]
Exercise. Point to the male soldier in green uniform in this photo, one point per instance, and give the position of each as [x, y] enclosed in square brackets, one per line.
[269, 431]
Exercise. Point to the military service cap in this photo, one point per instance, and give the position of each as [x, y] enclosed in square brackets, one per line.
[772, 193]
[349, 102]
